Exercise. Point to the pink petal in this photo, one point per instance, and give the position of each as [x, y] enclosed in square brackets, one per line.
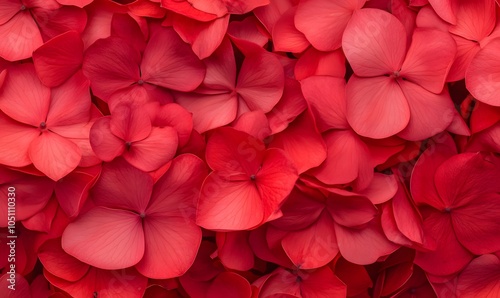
[59, 58]
[407, 218]
[55, 260]
[286, 37]
[234, 251]
[105, 238]
[260, 81]
[15, 139]
[104, 143]
[54, 155]
[430, 113]
[130, 123]
[429, 59]
[381, 189]
[229, 205]
[185, 8]
[229, 284]
[314, 18]
[209, 111]
[326, 96]
[70, 102]
[23, 97]
[480, 278]
[170, 63]
[375, 50]
[171, 246]
[466, 50]
[268, 15]
[204, 37]
[302, 142]
[111, 64]
[20, 37]
[482, 75]
[376, 107]
[123, 186]
[314, 246]
[365, 245]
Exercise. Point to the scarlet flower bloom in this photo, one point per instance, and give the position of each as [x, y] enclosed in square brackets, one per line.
[247, 185]
[113, 65]
[137, 224]
[128, 132]
[460, 204]
[226, 94]
[26, 24]
[395, 89]
[46, 127]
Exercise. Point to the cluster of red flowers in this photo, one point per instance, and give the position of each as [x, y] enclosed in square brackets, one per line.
[260, 148]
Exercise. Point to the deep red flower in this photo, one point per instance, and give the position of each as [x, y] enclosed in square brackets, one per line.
[137, 224]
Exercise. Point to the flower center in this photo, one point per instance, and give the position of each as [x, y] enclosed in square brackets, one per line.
[23, 7]
[395, 74]
[447, 210]
[142, 215]
[252, 177]
[43, 125]
[140, 82]
[128, 145]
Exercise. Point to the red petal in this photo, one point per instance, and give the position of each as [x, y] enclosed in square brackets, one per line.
[21, 286]
[322, 283]
[481, 278]
[54, 155]
[475, 20]
[247, 152]
[430, 113]
[221, 68]
[56, 261]
[8, 9]
[260, 81]
[59, 58]
[170, 63]
[326, 96]
[175, 116]
[105, 238]
[376, 107]
[53, 22]
[104, 143]
[481, 76]
[171, 246]
[407, 218]
[204, 37]
[286, 37]
[381, 189]
[365, 245]
[291, 104]
[254, 123]
[449, 256]
[314, 246]
[79, 3]
[313, 62]
[315, 18]
[111, 64]
[229, 284]
[429, 59]
[445, 9]
[350, 210]
[234, 251]
[249, 29]
[187, 9]
[229, 205]
[122, 186]
[302, 142]
[20, 37]
[16, 139]
[375, 50]
[70, 102]
[130, 123]
[209, 111]
[23, 97]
